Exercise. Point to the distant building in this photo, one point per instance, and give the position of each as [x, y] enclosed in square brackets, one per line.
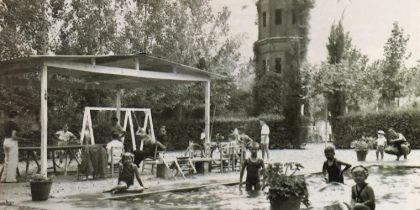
[281, 30]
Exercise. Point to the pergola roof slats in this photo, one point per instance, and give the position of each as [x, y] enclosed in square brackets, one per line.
[117, 71]
[108, 71]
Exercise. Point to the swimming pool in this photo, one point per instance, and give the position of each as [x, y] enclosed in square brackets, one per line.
[395, 188]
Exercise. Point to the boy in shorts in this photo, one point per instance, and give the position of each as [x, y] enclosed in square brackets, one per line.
[265, 139]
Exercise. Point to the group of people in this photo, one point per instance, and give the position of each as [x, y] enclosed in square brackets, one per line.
[240, 139]
[362, 194]
[394, 138]
[129, 163]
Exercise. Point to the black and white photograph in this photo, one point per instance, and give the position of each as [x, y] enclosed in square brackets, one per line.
[210, 104]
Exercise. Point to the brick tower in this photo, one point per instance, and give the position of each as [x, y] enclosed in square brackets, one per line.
[282, 31]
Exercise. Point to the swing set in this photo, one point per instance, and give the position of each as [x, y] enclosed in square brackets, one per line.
[130, 113]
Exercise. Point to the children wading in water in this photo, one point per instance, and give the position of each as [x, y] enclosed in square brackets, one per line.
[253, 166]
[332, 166]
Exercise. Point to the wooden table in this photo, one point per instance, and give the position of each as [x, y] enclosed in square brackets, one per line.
[69, 152]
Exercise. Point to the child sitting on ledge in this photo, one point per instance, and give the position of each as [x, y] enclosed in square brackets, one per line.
[127, 172]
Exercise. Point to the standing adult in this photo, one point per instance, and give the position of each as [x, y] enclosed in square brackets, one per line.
[380, 144]
[265, 139]
[11, 148]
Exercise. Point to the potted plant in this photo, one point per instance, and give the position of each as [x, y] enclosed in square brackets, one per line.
[286, 190]
[361, 146]
[40, 187]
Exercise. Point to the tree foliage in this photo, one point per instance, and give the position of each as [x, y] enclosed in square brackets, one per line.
[185, 31]
[395, 54]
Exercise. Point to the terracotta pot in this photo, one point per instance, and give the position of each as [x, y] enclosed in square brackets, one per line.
[40, 190]
[291, 203]
[361, 155]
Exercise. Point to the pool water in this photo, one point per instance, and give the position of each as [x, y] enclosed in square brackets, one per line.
[395, 188]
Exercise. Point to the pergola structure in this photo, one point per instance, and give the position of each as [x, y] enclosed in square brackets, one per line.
[104, 72]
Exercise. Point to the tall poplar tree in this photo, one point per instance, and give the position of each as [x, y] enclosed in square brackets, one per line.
[395, 51]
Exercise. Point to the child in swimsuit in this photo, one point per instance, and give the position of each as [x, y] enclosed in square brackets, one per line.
[362, 195]
[253, 166]
[332, 166]
[127, 172]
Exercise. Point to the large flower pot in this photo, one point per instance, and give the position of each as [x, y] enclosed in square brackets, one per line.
[291, 203]
[40, 190]
[361, 155]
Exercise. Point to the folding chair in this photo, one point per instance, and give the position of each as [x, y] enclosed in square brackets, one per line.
[184, 164]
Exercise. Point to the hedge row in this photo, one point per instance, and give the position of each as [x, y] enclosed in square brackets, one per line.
[354, 126]
[179, 133]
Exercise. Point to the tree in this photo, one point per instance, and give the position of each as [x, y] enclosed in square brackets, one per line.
[187, 32]
[336, 47]
[395, 54]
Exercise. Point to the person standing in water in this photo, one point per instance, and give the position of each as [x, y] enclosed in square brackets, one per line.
[332, 166]
[253, 166]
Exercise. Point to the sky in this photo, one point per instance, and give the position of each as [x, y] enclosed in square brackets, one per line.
[369, 23]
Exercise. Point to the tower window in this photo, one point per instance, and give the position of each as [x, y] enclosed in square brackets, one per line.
[279, 14]
[278, 65]
[294, 17]
[264, 19]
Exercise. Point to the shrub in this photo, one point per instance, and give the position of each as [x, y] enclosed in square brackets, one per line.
[355, 126]
[179, 133]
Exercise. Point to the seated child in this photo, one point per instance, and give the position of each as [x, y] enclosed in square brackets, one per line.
[117, 148]
[127, 171]
[332, 166]
[362, 195]
[243, 138]
[150, 146]
[253, 166]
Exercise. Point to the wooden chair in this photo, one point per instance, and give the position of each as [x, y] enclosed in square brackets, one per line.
[224, 159]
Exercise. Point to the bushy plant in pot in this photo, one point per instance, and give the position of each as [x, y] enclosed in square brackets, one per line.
[286, 190]
[361, 146]
[40, 187]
